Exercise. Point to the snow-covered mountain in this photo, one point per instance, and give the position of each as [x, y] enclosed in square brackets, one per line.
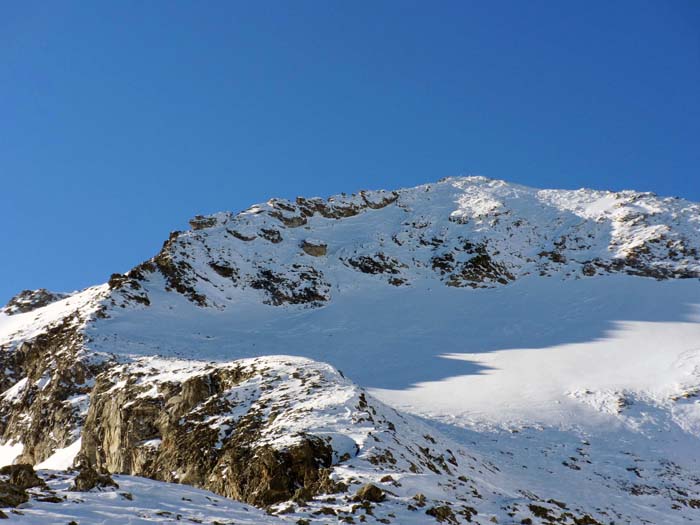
[464, 351]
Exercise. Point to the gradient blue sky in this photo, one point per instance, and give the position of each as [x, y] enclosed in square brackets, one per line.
[120, 120]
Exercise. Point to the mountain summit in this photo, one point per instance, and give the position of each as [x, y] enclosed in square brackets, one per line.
[465, 232]
[464, 351]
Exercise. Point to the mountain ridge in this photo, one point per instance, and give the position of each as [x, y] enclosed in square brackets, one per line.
[371, 282]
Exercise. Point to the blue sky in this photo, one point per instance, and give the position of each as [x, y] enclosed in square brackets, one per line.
[120, 120]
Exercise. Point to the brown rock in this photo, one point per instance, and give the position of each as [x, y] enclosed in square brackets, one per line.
[120, 421]
[88, 479]
[442, 513]
[11, 495]
[315, 249]
[200, 222]
[22, 475]
[371, 493]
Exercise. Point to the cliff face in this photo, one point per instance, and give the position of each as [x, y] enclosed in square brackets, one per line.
[207, 426]
[263, 431]
[48, 375]
[166, 371]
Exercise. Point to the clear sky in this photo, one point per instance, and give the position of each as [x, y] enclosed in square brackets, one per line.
[120, 120]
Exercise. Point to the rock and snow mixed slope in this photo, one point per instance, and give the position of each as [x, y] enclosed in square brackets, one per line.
[546, 343]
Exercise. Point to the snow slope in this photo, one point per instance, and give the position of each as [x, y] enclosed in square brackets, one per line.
[137, 501]
[553, 334]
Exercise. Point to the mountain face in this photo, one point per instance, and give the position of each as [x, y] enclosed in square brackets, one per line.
[464, 351]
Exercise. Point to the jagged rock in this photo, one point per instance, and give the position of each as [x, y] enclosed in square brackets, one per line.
[177, 273]
[274, 236]
[224, 270]
[478, 269]
[200, 222]
[301, 285]
[163, 429]
[29, 300]
[49, 499]
[442, 513]
[377, 263]
[240, 236]
[370, 492]
[264, 476]
[12, 495]
[22, 475]
[54, 365]
[120, 423]
[89, 479]
[588, 270]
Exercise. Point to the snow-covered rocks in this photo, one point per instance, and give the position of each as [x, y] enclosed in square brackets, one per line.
[28, 300]
[264, 431]
[469, 231]
[552, 379]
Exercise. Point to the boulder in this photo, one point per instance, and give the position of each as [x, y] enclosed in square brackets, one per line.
[314, 248]
[370, 492]
[88, 479]
[11, 495]
[22, 475]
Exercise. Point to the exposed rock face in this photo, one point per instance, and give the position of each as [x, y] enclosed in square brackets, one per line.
[14, 482]
[11, 495]
[442, 513]
[377, 263]
[46, 381]
[370, 492]
[205, 430]
[301, 284]
[200, 222]
[234, 428]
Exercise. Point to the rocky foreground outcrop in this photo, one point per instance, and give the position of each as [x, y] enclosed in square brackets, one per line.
[211, 426]
[286, 434]
[263, 431]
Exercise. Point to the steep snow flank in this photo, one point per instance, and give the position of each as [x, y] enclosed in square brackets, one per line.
[517, 351]
[63, 458]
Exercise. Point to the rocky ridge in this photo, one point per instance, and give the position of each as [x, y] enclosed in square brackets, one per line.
[294, 435]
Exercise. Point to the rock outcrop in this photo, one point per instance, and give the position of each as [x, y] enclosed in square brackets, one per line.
[14, 482]
[238, 429]
[314, 248]
[46, 382]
